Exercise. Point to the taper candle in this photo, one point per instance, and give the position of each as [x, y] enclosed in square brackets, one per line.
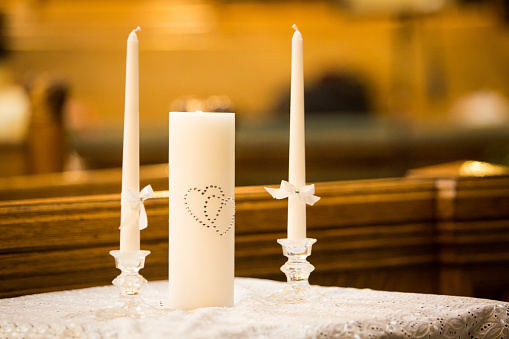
[297, 162]
[129, 218]
[201, 209]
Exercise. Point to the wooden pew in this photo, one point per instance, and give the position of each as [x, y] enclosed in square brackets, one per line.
[369, 233]
[413, 234]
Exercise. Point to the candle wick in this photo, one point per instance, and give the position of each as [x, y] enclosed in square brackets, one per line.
[137, 29]
[295, 27]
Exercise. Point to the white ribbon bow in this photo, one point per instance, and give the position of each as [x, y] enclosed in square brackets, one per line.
[305, 193]
[135, 200]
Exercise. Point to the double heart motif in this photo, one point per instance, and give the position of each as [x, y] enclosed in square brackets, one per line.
[211, 208]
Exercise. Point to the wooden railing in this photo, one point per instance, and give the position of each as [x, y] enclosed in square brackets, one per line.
[406, 234]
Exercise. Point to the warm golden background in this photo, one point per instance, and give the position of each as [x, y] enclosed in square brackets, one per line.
[435, 76]
[391, 85]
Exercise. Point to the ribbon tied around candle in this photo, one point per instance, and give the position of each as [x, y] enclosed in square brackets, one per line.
[306, 193]
[135, 201]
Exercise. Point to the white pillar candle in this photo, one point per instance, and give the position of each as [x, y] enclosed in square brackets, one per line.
[297, 163]
[129, 216]
[201, 209]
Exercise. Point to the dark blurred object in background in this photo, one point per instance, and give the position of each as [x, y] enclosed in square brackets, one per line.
[338, 92]
[334, 92]
[3, 37]
[46, 141]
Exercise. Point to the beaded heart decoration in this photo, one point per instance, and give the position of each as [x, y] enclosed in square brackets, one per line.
[211, 208]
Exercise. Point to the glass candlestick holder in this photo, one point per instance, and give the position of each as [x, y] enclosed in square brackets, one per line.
[297, 270]
[129, 284]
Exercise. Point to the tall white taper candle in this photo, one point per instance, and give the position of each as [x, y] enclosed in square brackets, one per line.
[297, 163]
[129, 219]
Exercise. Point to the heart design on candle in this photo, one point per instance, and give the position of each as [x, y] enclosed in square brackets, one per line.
[211, 208]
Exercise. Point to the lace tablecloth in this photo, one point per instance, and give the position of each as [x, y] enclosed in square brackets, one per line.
[349, 313]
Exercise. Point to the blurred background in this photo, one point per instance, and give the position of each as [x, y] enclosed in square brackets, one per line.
[390, 84]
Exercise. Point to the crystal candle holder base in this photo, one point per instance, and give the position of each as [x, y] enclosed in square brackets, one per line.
[129, 284]
[297, 270]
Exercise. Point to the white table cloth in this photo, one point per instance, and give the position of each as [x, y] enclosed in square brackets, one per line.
[350, 313]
